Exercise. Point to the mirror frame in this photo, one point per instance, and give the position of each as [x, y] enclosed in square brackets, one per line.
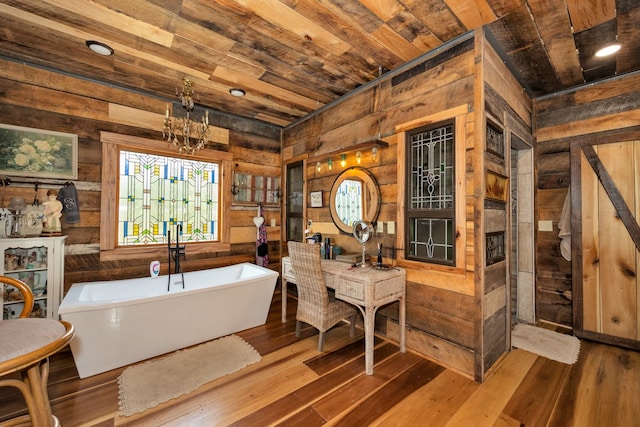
[371, 215]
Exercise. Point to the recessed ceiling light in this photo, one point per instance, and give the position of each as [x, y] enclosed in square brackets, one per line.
[99, 48]
[237, 92]
[608, 50]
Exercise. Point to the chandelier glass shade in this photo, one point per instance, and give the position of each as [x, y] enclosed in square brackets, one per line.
[185, 133]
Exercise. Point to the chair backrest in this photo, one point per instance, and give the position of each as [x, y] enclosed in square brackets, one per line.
[307, 268]
[24, 289]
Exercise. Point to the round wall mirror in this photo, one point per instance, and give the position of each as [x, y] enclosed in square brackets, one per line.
[355, 196]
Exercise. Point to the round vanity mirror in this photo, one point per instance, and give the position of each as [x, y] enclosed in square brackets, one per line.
[355, 196]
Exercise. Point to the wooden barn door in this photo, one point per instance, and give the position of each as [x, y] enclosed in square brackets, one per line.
[606, 250]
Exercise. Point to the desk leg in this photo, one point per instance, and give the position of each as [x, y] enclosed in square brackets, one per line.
[369, 326]
[284, 300]
[402, 319]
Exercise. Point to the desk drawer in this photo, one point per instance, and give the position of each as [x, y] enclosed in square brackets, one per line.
[350, 288]
[389, 287]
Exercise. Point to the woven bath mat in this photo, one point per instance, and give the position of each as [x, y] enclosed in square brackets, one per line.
[550, 344]
[151, 383]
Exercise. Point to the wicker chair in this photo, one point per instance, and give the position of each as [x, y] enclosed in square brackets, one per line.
[316, 306]
[26, 346]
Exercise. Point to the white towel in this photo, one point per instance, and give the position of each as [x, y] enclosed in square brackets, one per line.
[565, 228]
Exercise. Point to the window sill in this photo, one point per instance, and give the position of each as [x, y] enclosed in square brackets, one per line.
[160, 251]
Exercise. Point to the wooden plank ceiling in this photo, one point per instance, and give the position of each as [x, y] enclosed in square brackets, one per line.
[294, 56]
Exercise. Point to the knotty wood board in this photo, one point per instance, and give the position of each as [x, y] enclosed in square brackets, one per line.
[445, 301]
[436, 75]
[591, 315]
[249, 234]
[554, 24]
[591, 398]
[350, 394]
[473, 14]
[495, 276]
[590, 126]
[588, 94]
[498, 388]
[438, 17]
[458, 331]
[531, 402]
[506, 86]
[438, 400]
[600, 106]
[494, 301]
[617, 253]
[518, 36]
[398, 388]
[587, 14]
[349, 368]
[494, 341]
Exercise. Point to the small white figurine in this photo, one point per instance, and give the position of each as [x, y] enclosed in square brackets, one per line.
[52, 214]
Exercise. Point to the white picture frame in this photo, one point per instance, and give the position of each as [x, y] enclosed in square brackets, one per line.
[316, 199]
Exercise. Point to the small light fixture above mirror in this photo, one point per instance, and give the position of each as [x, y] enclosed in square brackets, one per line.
[237, 92]
[99, 48]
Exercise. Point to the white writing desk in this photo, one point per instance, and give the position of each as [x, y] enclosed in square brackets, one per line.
[365, 287]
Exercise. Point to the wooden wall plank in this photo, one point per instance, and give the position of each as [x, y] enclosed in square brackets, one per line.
[507, 87]
[594, 125]
[554, 25]
[617, 252]
[589, 14]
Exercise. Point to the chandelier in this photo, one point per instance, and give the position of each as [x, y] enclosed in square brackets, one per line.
[187, 134]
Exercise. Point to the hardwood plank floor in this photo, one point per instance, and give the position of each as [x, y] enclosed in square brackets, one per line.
[294, 385]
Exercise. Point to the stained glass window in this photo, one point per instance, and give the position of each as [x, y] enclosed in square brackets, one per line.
[430, 222]
[156, 193]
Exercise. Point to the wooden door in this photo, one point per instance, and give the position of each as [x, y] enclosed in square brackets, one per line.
[606, 250]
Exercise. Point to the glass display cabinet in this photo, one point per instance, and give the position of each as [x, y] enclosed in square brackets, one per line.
[39, 262]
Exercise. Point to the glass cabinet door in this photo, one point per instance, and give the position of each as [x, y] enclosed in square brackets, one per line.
[29, 265]
[294, 201]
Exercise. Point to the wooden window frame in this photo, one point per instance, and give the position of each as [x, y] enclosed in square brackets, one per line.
[112, 143]
[458, 115]
[429, 214]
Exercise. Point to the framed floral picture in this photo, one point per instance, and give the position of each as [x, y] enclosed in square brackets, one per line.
[38, 153]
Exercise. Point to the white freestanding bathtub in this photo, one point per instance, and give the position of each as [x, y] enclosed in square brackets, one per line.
[124, 321]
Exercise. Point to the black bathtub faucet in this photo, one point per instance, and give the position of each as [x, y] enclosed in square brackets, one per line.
[175, 253]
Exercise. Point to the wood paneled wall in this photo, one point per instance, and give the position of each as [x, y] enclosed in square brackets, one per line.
[38, 98]
[508, 108]
[604, 111]
[440, 321]
[446, 313]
